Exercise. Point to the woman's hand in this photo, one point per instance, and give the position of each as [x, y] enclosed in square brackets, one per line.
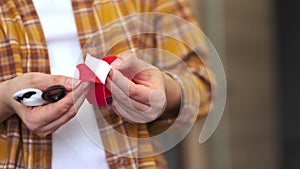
[141, 92]
[42, 120]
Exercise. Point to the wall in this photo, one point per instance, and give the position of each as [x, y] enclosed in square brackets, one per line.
[243, 32]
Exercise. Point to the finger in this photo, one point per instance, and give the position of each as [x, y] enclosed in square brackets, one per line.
[137, 92]
[43, 81]
[128, 112]
[130, 109]
[58, 109]
[54, 125]
[121, 112]
[67, 82]
[124, 60]
[37, 117]
[129, 103]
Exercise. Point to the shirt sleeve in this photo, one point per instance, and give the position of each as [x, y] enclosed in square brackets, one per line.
[190, 66]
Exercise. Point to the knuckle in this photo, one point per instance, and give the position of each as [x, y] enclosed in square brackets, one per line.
[123, 98]
[42, 134]
[32, 123]
[64, 106]
[60, 109]
[34, 78]
[133, 92]
[116, 77]
[125, 54]
[56, 79]
[137, 108]
[34, 127]
[72, 113]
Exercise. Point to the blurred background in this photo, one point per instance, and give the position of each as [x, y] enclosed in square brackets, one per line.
[258, 42]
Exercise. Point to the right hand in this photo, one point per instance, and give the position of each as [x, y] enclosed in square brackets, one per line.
[43, 120]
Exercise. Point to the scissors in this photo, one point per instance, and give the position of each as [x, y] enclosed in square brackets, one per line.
[36, 97]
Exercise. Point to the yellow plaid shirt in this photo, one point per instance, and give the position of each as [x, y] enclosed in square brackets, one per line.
[23, 49]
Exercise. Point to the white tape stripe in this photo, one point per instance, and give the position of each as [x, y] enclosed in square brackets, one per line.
[99, 67]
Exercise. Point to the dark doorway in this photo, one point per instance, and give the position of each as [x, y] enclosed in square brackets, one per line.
[288, 20]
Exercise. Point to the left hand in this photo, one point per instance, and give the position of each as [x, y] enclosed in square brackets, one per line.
[138, 89]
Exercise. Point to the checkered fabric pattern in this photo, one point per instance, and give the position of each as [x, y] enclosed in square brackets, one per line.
[23, 49]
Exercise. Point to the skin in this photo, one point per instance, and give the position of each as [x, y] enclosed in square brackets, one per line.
[35, 118]
[149, 88]
[140, 88]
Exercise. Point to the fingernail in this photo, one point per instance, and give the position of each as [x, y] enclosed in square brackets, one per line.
[85, 85]
[73, 82]
[111, 72]
[116, 63]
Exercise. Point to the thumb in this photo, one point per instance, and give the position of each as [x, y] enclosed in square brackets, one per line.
[124, 61]
[68, 82]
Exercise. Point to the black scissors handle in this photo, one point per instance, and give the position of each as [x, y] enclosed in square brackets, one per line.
[54, 93]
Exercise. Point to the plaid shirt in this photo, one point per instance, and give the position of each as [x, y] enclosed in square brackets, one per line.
[23, 49]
